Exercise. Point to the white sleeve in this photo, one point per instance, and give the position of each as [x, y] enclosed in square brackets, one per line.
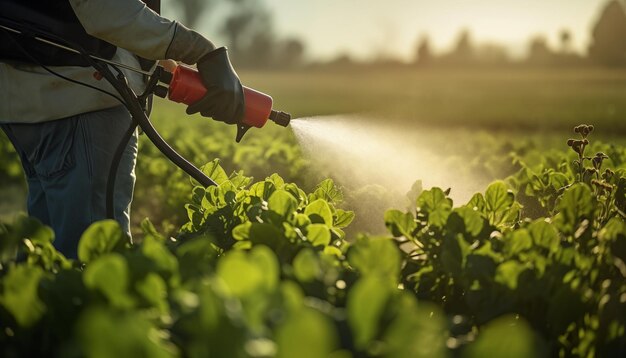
[128, 24]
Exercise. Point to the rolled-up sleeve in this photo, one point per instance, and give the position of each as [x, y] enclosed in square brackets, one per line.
[128, 24]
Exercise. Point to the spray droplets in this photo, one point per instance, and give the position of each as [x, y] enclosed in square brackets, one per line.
[357, 151]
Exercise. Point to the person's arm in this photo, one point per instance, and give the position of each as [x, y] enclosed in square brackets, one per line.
[131, 25]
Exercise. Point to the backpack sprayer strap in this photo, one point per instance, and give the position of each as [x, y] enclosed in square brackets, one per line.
[55, 17]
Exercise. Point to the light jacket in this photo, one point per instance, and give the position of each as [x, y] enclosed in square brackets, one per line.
[29, 94]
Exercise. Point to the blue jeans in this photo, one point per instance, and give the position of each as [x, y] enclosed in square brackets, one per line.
[67, 163]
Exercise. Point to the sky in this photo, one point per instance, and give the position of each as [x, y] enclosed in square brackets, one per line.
[368, 28]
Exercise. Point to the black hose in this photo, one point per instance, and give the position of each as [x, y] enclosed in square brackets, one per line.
[117, 157]
[136, 111]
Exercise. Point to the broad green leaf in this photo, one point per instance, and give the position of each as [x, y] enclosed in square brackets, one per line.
[343, 218]
[477, 202]
[241, 276]
[164, 261]
[454, 253]
[109, 275]
[366, 303]
[246, 274]
[297, 193]
[319, 212]
[100, 238]
[282, 203]
[615, 234]
[12, 235]
[333, 251]
[277, 180]
[327, 191]
[472, 220]
[498, 198]
[558, 180]
[613, 230]
[518, 241]
[265, 234]
[267, 263]
[417, 330]
[195, 215]
[436, 205]
[414, 193]
[196, 256]
[318, 234]
[239, 180]
[575, 205]
[292, 296]
[544, 234]
[262, 189]
[507, 336]
[19, 294]
[148, 229]
[242, 231]
[301, 220]
[103, 333]
[214, 170]
[197, 194]
[508, 272]
[154, 291]
[375, 256]
[306, 334]
[399, 223]
[306, 265]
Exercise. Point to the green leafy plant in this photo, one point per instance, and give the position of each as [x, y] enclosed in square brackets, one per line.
[533, 266]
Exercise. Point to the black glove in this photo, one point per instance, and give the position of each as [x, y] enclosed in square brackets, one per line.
[224, 100]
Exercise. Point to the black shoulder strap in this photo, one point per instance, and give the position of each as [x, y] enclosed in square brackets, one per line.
[55, 17]
[154, 5]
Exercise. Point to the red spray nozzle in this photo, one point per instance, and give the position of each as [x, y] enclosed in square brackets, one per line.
[186, 87]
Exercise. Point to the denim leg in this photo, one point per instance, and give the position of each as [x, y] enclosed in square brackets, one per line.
[37, 204]
[70, 159]
[103, 131]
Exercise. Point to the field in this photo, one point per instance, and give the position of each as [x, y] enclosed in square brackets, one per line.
[346, 252]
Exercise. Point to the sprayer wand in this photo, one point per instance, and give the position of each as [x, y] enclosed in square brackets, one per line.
[185, 86]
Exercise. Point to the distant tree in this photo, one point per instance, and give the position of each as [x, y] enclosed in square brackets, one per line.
[608, 45]
[464, 49]
[249, 32]
[192, 10]
[342, 60]
[291, 53]
[491, 54]
[423, 54]
[260, 51]
[566, 41]
[235, 28]
[539, 53]
[463, 52]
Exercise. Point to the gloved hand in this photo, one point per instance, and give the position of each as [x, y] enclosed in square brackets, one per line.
[224, 99]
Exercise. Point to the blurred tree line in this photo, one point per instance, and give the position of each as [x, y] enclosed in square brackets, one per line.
[607, 48]
[248, 29]
[252, 41]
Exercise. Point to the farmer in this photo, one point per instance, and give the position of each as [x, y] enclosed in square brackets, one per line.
[66, 134]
